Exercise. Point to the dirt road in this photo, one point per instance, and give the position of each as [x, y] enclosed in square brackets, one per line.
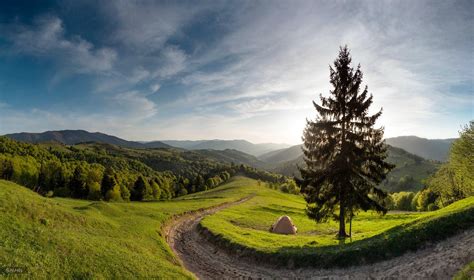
[206, 261]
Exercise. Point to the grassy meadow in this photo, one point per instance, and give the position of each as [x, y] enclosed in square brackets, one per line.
[249, 223]
[80, 239]
[245, 228]
[66, 238]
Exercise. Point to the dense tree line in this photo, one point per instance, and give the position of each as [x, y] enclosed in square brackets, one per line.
[289, 186]
[57, 171]
[424, 200]
[455, 179]
[107, 172]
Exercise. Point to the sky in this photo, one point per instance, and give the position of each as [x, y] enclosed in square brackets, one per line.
[155, 70]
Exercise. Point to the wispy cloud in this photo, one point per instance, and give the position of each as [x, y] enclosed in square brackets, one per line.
[134, 105]
[46, 38]
[251, 70]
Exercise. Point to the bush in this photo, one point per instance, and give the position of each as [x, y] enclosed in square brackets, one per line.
[432, 207]
[425, 198]
[113, 194]
[141, 189]
[403, 201]
[125, 193]
[94, 191]
[290, 187]
[155, 190]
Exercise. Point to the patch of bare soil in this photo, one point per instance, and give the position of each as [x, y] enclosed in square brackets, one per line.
[207, 261]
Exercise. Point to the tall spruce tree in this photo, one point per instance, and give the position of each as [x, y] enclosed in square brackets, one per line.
[344, 153]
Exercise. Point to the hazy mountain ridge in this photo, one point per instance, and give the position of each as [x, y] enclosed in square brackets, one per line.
[282, 155]
[271, 157]
[408, 174]
[237, 151]
[232, 156]
[431, 149]
[72, 137]
[435, 149]
[217, 144]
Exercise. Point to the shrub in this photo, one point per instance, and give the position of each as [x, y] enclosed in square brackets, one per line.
[432, 207]
[113, 194]
[402, 200]
[290, 187]
[125, 193]
[425, 198]
[94, 191]
[155, 190]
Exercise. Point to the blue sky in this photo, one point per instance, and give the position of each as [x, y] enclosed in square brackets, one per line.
[148, 70]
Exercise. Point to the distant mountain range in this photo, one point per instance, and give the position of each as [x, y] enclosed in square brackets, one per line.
[408, 174]
[435, 149]
[408, 153]
[72, 137]
[282, 155]
[240, 145]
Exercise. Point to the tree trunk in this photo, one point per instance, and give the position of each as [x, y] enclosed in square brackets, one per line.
[342, 222]
[350, 226]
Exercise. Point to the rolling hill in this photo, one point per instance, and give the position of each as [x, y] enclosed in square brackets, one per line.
[59, 238]
[408, 174]
[240, 145]
[79, 239]
[434, 149]
[232, 156]
[282, 155]
[71, 137]
[179, 162]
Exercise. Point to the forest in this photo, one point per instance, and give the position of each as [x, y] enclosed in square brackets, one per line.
[98, 171]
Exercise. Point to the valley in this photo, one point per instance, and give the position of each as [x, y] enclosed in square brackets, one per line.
[157, 139]
[107, 240]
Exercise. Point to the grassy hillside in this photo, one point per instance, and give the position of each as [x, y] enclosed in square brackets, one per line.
[66, 238]
[249, 223]
[246, 228]
[182, 162]
[232, 156]
[434, 149]
[408, 174]
[71, 137]
[282, 154]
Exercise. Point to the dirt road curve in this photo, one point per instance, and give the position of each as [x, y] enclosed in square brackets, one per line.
[206, 261]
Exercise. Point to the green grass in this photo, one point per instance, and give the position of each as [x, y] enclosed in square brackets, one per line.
[66, 238]
[246, 228]
[467, 273]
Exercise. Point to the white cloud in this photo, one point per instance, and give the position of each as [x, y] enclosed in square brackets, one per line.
[155, 87]
[257, 79]
[280, 53]
[134, 105]
[46, 38]
[145, 26]
[171, 61]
